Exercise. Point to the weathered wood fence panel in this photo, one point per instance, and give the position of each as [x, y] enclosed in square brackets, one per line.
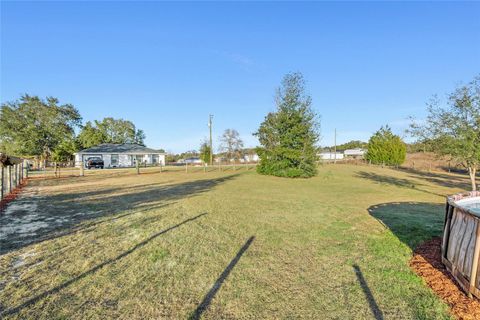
[461, 243]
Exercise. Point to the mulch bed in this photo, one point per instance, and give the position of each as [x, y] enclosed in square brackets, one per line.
[12, 196]
[427, 263]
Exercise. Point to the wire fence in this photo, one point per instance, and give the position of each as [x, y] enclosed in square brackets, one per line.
[61, 171]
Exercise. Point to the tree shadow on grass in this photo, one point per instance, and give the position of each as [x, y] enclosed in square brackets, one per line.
[35, 218]
[412, 222]
[62, 286]
[207, 300]
[394, 181]
[376, 311]
[459, 180]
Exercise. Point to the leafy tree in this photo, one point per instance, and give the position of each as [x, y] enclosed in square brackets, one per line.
[386, 148]
[110, 130]
[231, 143]
[205, 151]
[289, 135]
[65, 150]
[32, 126]
[453, 130]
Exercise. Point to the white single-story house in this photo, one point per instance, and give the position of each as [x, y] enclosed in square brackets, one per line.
[121, 155]
[354, 153]
[331, 156]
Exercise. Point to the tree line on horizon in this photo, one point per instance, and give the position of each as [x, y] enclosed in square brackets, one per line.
[288, 137]
[46, 130]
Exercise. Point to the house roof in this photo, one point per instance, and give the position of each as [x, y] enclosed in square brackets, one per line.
[119, 148]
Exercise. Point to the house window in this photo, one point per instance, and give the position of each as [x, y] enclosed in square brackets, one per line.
[114, 160]
[155, 158]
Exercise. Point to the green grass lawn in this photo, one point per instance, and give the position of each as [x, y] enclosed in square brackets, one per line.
[223, 245]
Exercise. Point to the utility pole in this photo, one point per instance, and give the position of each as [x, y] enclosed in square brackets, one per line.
[335, 148]
[211, 144]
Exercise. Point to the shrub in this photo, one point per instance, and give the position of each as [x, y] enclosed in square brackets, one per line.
[386, 148]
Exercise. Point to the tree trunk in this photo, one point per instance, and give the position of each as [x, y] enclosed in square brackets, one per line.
[472, 171]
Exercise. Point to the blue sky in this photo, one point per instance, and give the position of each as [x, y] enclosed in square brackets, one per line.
[167, 66]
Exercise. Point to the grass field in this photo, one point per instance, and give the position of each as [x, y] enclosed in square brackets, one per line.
[222, 245]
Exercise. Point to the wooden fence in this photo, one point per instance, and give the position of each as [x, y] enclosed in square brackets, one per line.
[461, 243]
[12, 176]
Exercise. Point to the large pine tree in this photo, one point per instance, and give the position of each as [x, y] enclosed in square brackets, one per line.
[288, 136]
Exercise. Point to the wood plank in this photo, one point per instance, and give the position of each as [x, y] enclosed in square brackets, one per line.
[455, 238]
[468, 261]
[466, 246]
[476, 256]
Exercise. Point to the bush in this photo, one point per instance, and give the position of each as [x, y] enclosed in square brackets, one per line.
[385, 148]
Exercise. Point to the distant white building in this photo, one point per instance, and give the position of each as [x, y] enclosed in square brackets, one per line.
[354, 153]
[192, 160]
[331, 156]
[121, 155]
[251, 158]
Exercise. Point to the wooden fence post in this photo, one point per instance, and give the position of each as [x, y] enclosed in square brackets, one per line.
[13, 177]
[476, 256]
[82, 169]
[186, 167]
[137, 166]
[1, 182]
[15, 169]
[9, 179]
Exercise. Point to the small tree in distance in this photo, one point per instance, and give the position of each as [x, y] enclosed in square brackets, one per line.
[231, 143]
[205, 151]
[386, 148]
[454, 130]
[289, 135]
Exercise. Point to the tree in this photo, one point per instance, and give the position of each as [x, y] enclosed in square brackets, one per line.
[205, 151]
[354, 144]
[453, 130]
[110, 130]
[288, 136]
[231, 143]
[386, 148]
[64, 151]
[32, 126]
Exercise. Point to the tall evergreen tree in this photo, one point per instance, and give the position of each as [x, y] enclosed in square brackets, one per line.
[288, 136]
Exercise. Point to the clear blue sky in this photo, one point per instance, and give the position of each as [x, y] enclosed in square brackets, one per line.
[167, 66]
